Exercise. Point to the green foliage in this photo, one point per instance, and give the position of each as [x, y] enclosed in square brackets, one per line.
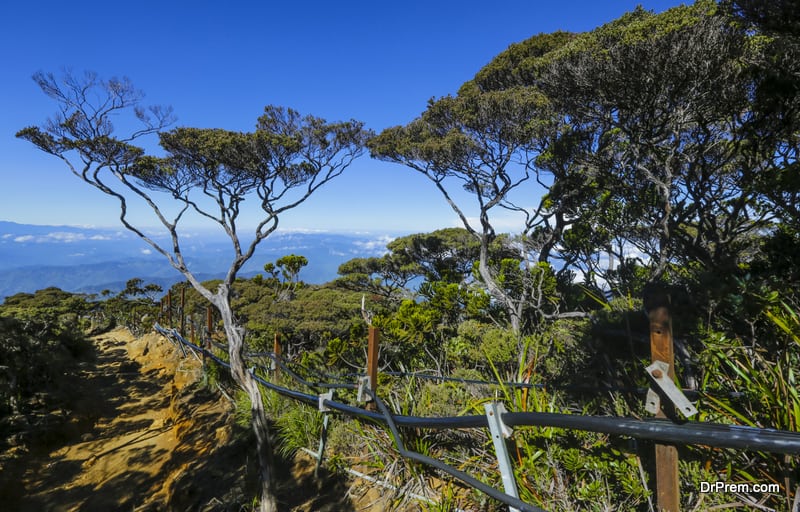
[580, 471]
[443, 255]
[136, 289]
[284, 275]
[135, 307]
[752, 385]
[478, 343]
[384, 277]
[447, 501]
[242, 412]
[57, 312]
[315, 316]
[761, 380]
[41, 336]
[787, 320]
[504, 70]
[442, 399]
[298, 427]
[412, 324]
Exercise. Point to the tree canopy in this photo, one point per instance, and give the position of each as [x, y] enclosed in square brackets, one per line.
[641, 134]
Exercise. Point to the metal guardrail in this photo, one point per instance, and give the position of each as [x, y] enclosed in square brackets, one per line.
[659, 430]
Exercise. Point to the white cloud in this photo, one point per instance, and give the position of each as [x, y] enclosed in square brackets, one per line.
[502, 221]
[298, 247]
[146, 251]
[66, 237]
[376, 245]
[304, 231]
[61, 236]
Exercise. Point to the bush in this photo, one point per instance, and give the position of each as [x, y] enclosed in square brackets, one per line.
[477, 344]
[34, 354]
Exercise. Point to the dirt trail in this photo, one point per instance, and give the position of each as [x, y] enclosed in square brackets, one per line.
[135, 432]
[137, 426]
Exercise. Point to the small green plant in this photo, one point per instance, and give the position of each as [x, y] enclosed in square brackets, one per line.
[242, 411]
[765, 384]
[447, 502]
[298, 427]
[747, 384]
[786, 319]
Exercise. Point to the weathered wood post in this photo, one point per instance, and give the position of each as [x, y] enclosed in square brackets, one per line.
[209, 324]
[169, 308]
[372, 359]
[657, 305]
[183, 310]
[276, 349]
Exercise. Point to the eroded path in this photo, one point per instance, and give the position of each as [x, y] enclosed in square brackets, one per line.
[136, 432]
[144, 436]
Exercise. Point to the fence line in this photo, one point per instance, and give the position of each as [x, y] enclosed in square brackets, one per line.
[659, 430]
[511, 385]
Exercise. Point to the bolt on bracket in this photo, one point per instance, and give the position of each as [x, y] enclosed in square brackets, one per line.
[659, 373]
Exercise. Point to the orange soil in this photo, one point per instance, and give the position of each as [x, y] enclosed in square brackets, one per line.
[135, 427]
[138, 434]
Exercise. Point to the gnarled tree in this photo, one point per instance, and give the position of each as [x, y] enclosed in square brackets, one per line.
[650, 143]
[206, 171]
[482, 143]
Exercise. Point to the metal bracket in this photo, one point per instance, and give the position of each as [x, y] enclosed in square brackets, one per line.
[500, 431]
[652, 402]
[363, 384]
[659, 372]
[323, 439]
[322, 398]
[323, 435]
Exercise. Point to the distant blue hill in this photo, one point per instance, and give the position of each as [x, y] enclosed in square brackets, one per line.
[89, 260]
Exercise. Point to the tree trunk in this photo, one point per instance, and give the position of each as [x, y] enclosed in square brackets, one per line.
[494, 289]
[258, 416]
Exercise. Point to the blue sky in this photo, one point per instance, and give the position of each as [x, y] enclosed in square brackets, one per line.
[219, 64]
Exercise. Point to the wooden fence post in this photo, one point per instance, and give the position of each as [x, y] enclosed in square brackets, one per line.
[209, 321]
[372, 358]
[657, 305]
[276, 349]
[169, 309]
[183, 311]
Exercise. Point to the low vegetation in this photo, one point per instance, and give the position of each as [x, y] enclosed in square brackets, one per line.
[742, 372]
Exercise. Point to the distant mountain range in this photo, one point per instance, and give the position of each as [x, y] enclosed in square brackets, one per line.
[89, 260]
